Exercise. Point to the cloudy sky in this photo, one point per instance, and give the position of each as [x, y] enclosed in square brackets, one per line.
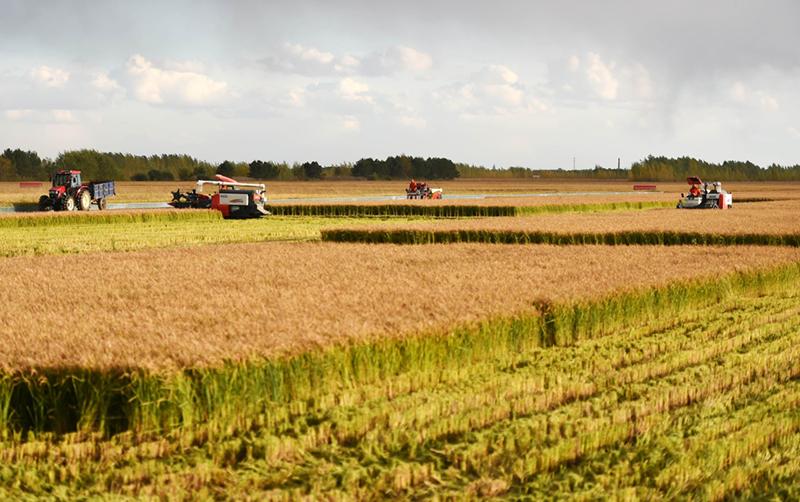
[528, 83]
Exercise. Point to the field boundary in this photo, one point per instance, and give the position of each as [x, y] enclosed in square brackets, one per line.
[621, 238]
[63, 400]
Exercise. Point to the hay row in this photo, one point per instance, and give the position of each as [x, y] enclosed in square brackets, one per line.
[619, 238]
[451, 211]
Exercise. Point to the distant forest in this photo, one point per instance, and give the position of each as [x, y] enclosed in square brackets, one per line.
[21, 165]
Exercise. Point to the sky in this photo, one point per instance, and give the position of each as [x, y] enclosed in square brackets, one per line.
[504, 83]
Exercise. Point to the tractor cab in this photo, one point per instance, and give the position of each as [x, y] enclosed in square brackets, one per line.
[67, 179]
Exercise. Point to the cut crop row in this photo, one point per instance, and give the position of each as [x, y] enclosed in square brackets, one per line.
[424, 209]
[620, 238]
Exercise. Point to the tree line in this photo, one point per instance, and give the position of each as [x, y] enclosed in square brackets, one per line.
[678, 169]
[21, 165]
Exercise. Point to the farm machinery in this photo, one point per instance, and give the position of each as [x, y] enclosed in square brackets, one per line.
[710, 196]
[69, 193]
[421, 190]
[233, 199]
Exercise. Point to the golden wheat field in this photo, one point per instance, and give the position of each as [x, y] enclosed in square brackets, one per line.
[201, 306]
[780, 217]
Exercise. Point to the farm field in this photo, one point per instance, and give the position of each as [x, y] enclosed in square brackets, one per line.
[159, 191]
[697, 402]
[767, 219]
[249, 360]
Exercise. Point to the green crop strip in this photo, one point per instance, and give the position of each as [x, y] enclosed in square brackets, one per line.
[129, 232]
[623, 238]
[451, 211]
[106, 218]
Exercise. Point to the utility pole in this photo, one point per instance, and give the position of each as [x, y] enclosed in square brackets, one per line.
[618, 163]
[573, 163]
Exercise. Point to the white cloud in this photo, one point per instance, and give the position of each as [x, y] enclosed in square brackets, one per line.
[738, 92]
[351, 123]
[574, 63]
[768, 103]
[309, 53]
[18, 114]
[62, 116]
[412, 59]
[353, 90]
[155, 85]
[602, 77]
[55, 116]
[297, 97]
[590, 77]
[104, 83]
[50, 77]
[311, 61]
[793, 131]
[496, 89]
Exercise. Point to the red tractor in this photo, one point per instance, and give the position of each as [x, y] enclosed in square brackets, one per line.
[68, 193]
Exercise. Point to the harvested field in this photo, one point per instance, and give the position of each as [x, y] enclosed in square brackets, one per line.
[273, 299]
[757, 222]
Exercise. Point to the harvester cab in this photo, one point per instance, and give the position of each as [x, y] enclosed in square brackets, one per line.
[705, 195]
[233, 199]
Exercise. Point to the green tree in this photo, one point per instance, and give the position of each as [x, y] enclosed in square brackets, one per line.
[226, 168]
[7, 172]
[312, 170]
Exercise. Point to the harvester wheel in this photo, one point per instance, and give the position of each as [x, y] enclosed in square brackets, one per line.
[68, 204]
[84, 200]
[102, 204]
[45, 203]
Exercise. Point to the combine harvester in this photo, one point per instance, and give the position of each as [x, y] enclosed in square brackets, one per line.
[233, 199]
[705, 198]
[421, 190]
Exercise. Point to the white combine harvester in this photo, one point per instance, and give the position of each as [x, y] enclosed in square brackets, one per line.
[705, 196]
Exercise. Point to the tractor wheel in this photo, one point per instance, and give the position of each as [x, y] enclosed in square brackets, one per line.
[84, 200]
[45, 204]
[102, 204]
[68, 203]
